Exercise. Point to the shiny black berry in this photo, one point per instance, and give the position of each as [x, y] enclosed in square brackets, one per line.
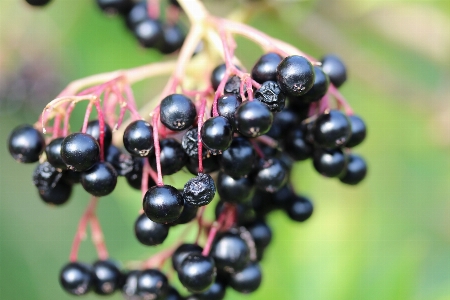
[215, 292]
[283, 122]
[173, 38]
[57, 194]
[217, 134]
[271, 175]
[299, 209]
[297, 146]
[261, 234]
[355, 171]
[359, 131]
[210, 164]
[100, 180]
[76, 278]
[335, 69]
[137, 14]
[239, 159]
[253, 118]
[152, 284]
[189, 213]
[200, 190]
[138, 138]
[332, 130]
[93, 129]
[318, 90]
[177, 112]
[53, 153]
[295, 75]
[271, 95]
[106, 277]
[122, 162]
[129, 284]
[80, 151]
[173, 294]
[26, 144]
[134, 176]
[230, 252]
[38, 2]
[248, 280]
[329, 163]
[227, 105]
[148, 232]
[115, 6]
[163, 204]
[172, 157]
[265, 69]
[71, 177]
[234, 190]
[182, 252]
[149, 33]
[197, 272]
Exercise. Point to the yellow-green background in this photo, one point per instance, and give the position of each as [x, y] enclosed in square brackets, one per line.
[388, 238]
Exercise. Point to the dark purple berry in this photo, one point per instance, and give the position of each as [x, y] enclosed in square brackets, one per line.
[182, 252]
[359, 131]
[80, 151]
[239, 159]
[295, 75]
[253, 118]
[152, 284]
[163, 204]
[177, 112]
[148, 232]
[282, 123]
[271, 175]
[76, 278]
[138, 138]
[38, 2]
[248, 280]
[57, 194]
[197, 272]
[26, 144]
[329, 163]
[149, 33]
[100, 180]
[318, 90]
[217, 134]
[93, 129]
[106, 277]
[234, 190]
[71, 177]
[173, 38]
[265, 69]
[134, 177]
[332, 130]
[299, 209]
[210, 164]
[200, 190]
[227, 105]
[335, 69]
[271, 95]
[172, 157]
[355, 171]
[217, 75]
[230, 252]
[53, 153]
[297, 146]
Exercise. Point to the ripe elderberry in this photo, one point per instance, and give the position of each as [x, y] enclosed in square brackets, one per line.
[230, 252]
[332, 130]
[248, 280]
[53, 153]
[150, 233]
[329, 163]
[299, 209]
[38, 2]
[239, 159]
[271, 175]
[295, 75]
[234, 190]
[26, 144]
[149, 33]
[253, 119]
[173, 38]
[335, 69]
[93, 129]
[152, 284]
[106, 277]
[318, 90]
[359, 131]
[271, 95]
[217, 134]
[163, 204]
[172, 157]
[100, 180]
[227, 105]
[182, 252]
[355, 170]
[138, 138]
[197, 272]
[177, 112]
[80, 151]
[265, 69]
[76, 278]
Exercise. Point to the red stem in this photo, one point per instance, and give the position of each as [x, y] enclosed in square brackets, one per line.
[155, 120]
[214, 229]
[153, 9]
[201, 115]
[97, 238]
[101, 122]
[340, 99]
[257, 149]
[81, 231]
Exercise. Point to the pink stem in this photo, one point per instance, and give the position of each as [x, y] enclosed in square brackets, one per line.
[56, 126]
[97, 238]
[155, 120]
[324, 103]
[81, 231]
[201, 115]
[257, 149]
[214, 229]
[67, 118]
[312, 109]
[340, 99]
[144, 180]
[101, 122]
[86, 116]
[153, 9]
[131, 103]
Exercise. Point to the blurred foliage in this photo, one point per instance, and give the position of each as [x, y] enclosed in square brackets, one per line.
[388, 238]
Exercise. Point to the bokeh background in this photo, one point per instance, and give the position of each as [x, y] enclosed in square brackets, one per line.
[388, 238]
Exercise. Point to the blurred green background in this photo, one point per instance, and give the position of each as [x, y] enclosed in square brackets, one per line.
[388, 238]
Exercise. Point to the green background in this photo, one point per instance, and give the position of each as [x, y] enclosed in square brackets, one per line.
[388, 238]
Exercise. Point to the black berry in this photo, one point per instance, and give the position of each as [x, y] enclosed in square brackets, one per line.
[299, 209]
[197, 272]
[227, 105]
[248, 280]
[265, 69]
[335, 69]
[210, 164]
[152, 284]
[93, 129]
[100, 180]
[253, 119]
[172, 157]
[200, 190]
[149, 33]
[38, 2]
[295, 75]
[355, 171]
[318, 90]
[239, 159]
[271, 175]
[138, 138]
[177, 112]
[230, 252]
[26, 144]
[189, 142]
[106, 277]
[332, 130]
[329, 163]
[359, 131]
[271, 95]
[76, 278]
[297, 146]
[217, 134]
[163, 204]
[148, 232]
[182, 252]
[53, 153]
[80, 151]
[234, 190]
[173, 38]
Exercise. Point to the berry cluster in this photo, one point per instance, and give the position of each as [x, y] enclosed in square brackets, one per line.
[239, 137]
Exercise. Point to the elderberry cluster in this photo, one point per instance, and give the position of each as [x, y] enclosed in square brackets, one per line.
[244, 152]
